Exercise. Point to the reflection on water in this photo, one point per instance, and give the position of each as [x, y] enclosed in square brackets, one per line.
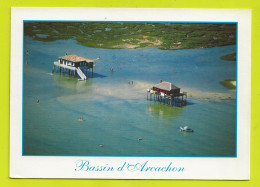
[163, 110]
[65, 81]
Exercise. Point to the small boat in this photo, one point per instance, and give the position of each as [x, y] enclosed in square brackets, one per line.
[186, 129]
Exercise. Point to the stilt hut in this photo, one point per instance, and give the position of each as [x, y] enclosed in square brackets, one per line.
[75, 66]
[167, 93]
[167, 88]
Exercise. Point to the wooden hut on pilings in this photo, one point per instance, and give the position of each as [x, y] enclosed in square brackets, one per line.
[75, 66]
[167, 93]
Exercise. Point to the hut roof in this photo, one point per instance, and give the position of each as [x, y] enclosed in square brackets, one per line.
[75, 58]
[166, 86]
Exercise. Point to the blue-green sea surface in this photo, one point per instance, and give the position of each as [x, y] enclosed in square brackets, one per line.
[117, 114]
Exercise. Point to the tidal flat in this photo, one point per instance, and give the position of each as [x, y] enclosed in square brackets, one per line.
[116, 114]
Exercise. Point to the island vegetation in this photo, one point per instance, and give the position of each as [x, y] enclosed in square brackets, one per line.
[229, 57]
[231, 84]
[129, 35]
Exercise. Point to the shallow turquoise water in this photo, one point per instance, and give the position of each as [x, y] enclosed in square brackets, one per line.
[117, 114]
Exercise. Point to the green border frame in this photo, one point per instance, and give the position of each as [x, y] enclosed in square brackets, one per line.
[5, 14]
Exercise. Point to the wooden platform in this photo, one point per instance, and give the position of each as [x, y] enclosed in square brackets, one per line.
[73, 71]
[171, 100]
[64, 66]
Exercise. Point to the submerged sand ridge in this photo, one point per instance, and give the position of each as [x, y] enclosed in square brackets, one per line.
[137, 91]
[210, 96]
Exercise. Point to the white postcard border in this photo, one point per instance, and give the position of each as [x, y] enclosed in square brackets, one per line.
[216, 168]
